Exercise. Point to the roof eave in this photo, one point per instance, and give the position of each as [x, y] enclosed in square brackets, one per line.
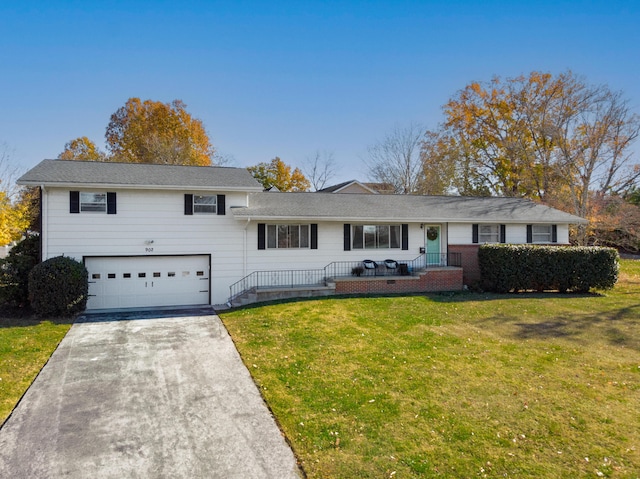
[49, 184]
[395, 219]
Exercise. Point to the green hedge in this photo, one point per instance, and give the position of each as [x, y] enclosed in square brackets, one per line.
[507, 268]
[58, 287]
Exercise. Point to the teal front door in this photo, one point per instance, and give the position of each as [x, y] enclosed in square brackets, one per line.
[433, 244]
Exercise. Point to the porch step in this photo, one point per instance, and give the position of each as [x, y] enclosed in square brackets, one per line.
[275, 293]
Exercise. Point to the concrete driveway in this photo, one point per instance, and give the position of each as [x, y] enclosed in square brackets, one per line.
[145, 395]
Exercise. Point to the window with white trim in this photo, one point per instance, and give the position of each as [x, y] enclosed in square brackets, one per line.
[541, 233]
[376, 236]
[287, 236]
[205, 204]
[488, 233]
[93, 202]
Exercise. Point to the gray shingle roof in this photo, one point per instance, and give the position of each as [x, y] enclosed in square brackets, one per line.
[399, 208]
[90, 173]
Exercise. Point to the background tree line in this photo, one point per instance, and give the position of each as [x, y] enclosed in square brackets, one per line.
[554, 139]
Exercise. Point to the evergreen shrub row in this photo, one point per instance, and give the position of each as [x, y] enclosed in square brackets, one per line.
[506, 268]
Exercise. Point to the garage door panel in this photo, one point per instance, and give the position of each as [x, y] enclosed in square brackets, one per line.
[129, 282]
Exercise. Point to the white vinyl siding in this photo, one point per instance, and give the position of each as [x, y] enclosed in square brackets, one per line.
[145, 216]
[516, 233]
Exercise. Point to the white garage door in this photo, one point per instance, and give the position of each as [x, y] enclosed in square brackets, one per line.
[143, 281]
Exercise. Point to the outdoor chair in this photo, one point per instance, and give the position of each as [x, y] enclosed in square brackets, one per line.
[370, 266]
[392, 265]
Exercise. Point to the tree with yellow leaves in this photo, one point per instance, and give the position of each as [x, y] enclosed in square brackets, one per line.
[279, 175]
[14, 219]
[14, 213]
[82, 149]
[554, 139]
[156, 132]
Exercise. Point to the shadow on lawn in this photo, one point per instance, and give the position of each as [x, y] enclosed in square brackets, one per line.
[618, 327]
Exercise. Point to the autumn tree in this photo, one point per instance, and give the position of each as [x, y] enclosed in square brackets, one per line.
[614, 222]
[279, 175]
[82, 149]
[156, 132]
[320, 169]
[554, 139]
[395, 159]
[14, 218]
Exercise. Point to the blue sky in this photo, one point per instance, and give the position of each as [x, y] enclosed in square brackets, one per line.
[288, 78]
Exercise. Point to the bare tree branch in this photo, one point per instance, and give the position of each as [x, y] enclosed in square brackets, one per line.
[396, 159]
[319, 169]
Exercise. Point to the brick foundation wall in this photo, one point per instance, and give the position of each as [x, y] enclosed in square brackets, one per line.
[470, 265]
[436, 279]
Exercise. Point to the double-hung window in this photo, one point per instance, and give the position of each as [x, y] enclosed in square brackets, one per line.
[205, 204]
[287, 236]
[376, 236]
[541, 233]
[489, 233]
[93, 202]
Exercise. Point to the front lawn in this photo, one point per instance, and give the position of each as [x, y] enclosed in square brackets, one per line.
[25, 347]
[460, 385]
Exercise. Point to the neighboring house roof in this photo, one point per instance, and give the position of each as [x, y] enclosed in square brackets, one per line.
[352, 186]
[382, 188]
[398, 208]
[137, 175]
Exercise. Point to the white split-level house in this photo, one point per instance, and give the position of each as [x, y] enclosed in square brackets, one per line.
[165, 235]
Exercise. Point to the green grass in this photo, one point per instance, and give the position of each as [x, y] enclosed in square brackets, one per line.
[460, 385]
[25, 347]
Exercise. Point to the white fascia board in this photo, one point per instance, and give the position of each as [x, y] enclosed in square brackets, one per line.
[395, 219]
[141, 187]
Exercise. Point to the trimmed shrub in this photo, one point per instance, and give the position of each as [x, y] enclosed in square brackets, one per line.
[507, 268]
[14, 271]
[58, 287]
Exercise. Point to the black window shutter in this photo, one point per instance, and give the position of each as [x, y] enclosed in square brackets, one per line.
[474, 233]
[74, 202]
[221, 205]
[503, 233]
[314, 236]
[529, 233]
[111, 203]
[554, 233]
[405, 236]
[347, 237]
[261, 235]
[188, 204]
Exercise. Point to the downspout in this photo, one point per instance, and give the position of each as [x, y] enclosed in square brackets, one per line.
[44, 223]
[244, 241]
[244, 248]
